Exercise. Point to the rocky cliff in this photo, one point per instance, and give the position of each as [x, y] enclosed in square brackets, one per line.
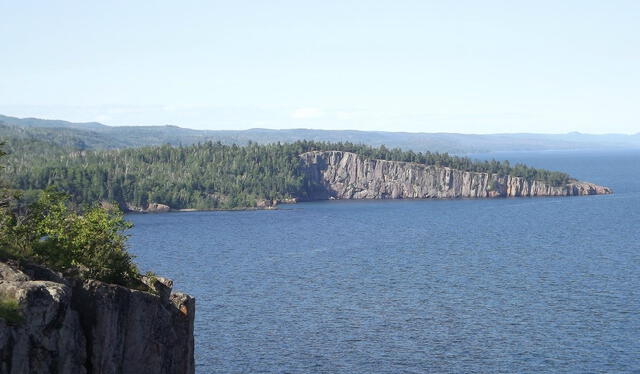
[345, 175]
[73, 326]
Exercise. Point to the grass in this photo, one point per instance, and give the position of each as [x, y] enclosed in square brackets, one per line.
[10, 310]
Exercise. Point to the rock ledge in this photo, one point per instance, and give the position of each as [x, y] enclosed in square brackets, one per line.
[73, 326]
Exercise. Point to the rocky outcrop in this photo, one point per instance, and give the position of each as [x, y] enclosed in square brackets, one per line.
[73, 326]
[266, 204]
[151, 208]
[345, 175]
[157, 208]
[273, 204]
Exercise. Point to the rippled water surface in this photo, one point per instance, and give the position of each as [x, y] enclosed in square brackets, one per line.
[474, 286]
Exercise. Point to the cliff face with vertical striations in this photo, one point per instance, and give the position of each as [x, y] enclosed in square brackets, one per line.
[73, 326]
[345, 175]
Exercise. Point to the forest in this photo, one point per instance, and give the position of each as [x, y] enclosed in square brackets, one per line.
[209, 175]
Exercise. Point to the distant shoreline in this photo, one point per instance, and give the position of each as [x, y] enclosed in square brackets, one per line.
[192, 210]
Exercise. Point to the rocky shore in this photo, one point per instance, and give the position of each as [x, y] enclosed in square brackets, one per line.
[75, 326]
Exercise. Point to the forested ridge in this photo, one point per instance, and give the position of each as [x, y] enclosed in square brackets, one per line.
[93, 136]
[204, 176]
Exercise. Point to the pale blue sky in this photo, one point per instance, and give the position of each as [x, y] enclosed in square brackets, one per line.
[455, 66]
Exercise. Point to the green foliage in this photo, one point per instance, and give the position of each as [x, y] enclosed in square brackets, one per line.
[208, 175]
[90, 243]
[10, 310]
[205, 176]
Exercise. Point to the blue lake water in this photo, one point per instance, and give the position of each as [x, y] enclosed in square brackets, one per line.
[443, 286]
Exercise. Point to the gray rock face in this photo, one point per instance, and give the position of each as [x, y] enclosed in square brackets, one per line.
[72, 326]
[151, 208]
[345, 175]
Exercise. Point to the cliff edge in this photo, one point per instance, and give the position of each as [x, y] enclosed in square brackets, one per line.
[75, 326]
[345, 175]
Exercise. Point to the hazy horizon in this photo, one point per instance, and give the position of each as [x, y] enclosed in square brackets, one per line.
[321, 129]
[414, 66]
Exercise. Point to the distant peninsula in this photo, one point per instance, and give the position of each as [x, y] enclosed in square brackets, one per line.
[212, 175]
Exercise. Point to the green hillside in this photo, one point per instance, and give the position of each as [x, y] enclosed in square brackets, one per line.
[203, 176]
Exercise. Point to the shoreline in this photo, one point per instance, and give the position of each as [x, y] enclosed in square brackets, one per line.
[244, 209]
[188, 210]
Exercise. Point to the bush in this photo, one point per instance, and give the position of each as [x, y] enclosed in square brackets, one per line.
[89, 243]
[92, 242]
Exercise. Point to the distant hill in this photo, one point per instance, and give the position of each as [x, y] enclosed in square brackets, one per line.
[94, 135]
[36, 122]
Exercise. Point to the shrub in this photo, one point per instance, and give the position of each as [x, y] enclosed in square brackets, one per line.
[89, 243]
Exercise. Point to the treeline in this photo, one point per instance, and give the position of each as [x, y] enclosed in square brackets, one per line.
[208, 175]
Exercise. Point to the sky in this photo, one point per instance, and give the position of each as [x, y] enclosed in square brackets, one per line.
[419, 66]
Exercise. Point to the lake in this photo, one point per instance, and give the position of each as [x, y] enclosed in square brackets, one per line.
[443, 286]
